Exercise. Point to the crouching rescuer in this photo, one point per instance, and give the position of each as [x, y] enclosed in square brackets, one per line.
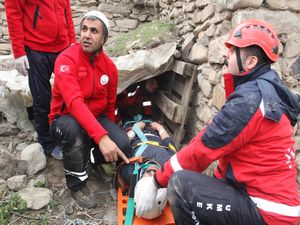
[251, 136]
[82, 108]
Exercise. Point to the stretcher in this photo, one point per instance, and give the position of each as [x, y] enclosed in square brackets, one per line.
[166, 218]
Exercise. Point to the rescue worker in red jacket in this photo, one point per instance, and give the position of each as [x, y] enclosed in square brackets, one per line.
[82, 118]
[251, 136]
[39, 31]
[134, 103]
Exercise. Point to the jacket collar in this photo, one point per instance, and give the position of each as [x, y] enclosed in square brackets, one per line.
[90, 57]
[251, 75]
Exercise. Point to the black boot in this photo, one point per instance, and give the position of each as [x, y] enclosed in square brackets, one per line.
[84, 197]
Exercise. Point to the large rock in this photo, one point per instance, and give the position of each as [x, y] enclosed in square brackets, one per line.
[284, 4]
[203, 3]
[218, 98]
[216, 49]
[144, 64]
[127, 23]
[204, 114]
[7, 62]
[7, 164]
[17, 183]
[114, 9]
[35, 158]
[295, 68]
[208, 12]
[36, 198]
[223, 5]
[5, 49]
[198, 54]
[292, 47]
[15, 96]
[282, 21]
[204, 85]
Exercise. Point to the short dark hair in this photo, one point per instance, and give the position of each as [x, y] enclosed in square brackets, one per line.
[255, 50]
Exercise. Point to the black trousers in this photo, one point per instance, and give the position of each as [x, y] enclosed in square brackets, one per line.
[198, 199]
[78, 147]
[41, 68]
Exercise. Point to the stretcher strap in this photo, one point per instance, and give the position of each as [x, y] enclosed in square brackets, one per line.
[135, 177]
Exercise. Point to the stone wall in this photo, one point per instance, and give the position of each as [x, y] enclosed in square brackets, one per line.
[124, 15]
[205, 25]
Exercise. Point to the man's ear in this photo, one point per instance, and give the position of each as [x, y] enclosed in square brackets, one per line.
[251, 62]
[105, 39]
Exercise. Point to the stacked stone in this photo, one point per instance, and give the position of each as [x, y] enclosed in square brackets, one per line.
[5, 48]
[124, 15]
[205, 25]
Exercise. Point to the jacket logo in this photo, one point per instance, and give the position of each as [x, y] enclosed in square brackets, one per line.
[64, 68]
[104, 79]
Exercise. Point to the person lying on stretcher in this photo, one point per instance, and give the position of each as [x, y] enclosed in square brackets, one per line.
[151, 147]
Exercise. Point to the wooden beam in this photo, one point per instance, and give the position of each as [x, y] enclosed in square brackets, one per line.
[172, 110]
[183, 68]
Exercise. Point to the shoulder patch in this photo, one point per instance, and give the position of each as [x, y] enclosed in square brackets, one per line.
[104, 79]
[64, 68]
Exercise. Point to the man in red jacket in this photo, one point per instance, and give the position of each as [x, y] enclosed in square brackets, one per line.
[135, 103]
[82, 114]
[251, 136]
[39, 31]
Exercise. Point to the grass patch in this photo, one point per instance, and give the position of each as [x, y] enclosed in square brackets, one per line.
[14, 204]
[41, 184]
[144, 35]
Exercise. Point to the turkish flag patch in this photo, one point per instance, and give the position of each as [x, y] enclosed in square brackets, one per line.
[64, 68]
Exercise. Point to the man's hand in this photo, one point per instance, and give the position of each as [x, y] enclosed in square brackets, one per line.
[110, 150]
[141, 125]
[145, 195]
[22, 65]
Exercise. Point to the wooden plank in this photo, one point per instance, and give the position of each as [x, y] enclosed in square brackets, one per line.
[183, 68]
[170, 82]
[167, 106]
[179, 114]
[178, 87]
[178, 137]
[188, 87]
[171, 109]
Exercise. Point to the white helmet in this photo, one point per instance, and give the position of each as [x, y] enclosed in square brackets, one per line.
[160, 204]
[98, 15]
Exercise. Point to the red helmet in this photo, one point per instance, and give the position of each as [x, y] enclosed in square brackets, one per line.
[255, 32]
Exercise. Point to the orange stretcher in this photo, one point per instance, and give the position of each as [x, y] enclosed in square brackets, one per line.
[166, 218]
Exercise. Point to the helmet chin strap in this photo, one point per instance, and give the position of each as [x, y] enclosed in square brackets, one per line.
[239, 60]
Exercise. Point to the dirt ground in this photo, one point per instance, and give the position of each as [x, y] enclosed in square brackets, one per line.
[62, 209]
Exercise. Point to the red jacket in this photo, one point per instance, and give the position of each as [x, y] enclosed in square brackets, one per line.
[252, 138]
[83, 90]
[132, 101]
[42, 25]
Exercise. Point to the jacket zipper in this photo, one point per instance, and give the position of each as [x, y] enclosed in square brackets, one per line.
[36, 15]
[66, 18]
[62, 108]
[94, 76]
[57, 34]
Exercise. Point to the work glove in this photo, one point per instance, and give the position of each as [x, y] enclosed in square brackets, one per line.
[22, 65]
[148, 199]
